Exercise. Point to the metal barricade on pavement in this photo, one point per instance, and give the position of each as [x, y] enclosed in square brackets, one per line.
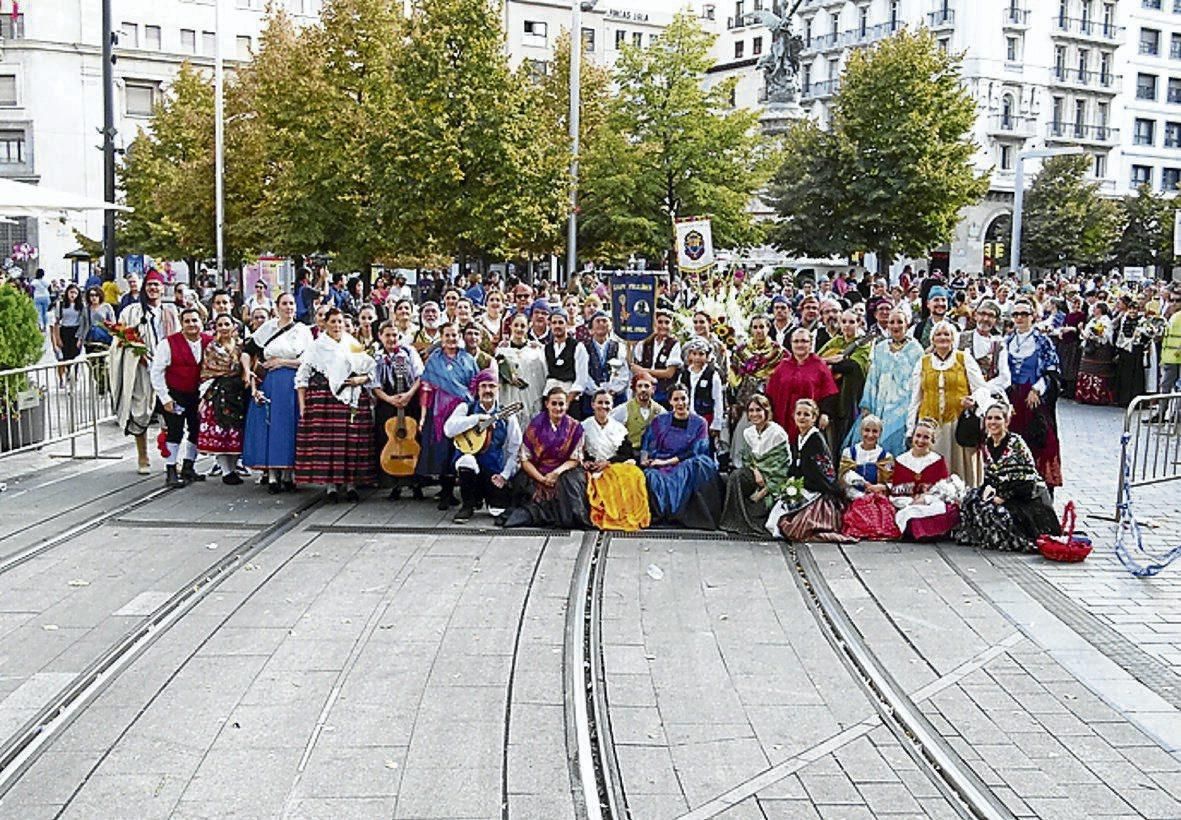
[52, 403]
[1150, 449]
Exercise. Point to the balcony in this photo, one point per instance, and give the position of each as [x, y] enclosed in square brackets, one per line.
[823, 89]
[1016, 18]
[1011, 126]
[1081, 133]
[822, 42]
[941, 19]
[1101, 81]
[1076, 28]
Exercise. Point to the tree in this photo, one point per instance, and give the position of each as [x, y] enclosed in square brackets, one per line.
[895, 169]
[1066, 221]
[670, 148]
[1147, 237]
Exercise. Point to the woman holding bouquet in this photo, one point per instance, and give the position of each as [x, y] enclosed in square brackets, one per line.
[1096, 376]
[754, 488]
[812, 503]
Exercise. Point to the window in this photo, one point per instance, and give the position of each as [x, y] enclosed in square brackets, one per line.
[944, 43]
[538, 69]
[1175, 46]
[1100, 166]
[1060, 62]
[1141, 175]
[739, 12]
[709, 12]
[862, 21]
[1007, 111]
[1109, 19]
[1169, 179]
[756, 46]
[141, 99]
[129, 35]
[1105, 68]
[1174, 93]
[1146, 86]
[1086, 21]
[188, 41]
[1063, 13]
[1151, 4]
[535, 30]
[242, 46]
[152, 37]
[834, 68]
[1056, 118]
[1084, 57]
[808, 32]
[8, 89]
[1102, 114]
[893, 15]
[1006, 158]
[637, 38]
[834, 27]
[588, 40]
[739, 49]
[620, 38]
[806, 79]
[1149, 41]
[12, 147]
[208, 43]
[1011, 49]
[1080, 117]
[1173, 135]
[1144, 132]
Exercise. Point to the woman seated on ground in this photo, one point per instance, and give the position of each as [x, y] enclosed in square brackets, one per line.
[548, 480]
[616, 493]
[922, 489]
[1012, 508]
[815, 513]
[754, 488]
[866, 470]
[682, 476]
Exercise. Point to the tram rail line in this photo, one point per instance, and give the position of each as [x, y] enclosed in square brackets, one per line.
[960, 785]
[19, 751]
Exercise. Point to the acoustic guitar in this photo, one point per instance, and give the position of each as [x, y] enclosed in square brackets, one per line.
[399, 456]
[476, 440]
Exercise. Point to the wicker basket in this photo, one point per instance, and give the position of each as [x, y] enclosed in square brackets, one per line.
[1069, 548]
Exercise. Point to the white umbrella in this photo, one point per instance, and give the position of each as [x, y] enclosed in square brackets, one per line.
[23, 199]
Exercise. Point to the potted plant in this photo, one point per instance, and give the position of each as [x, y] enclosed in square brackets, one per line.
[22, 420]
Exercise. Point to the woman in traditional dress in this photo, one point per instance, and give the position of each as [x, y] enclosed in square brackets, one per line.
[920, 488]
[847, 355]
[224, 398]
[334, 444]
[1096, 376]
[751, 365]
[753, 489]
[616, 493]
[273, 416]
[397, 378]
[402, 315]
[941, 388]
[551, 478]
[1066, 339]
[522, 369]
[815, 514]
[1131, 344]
[367, 328]
[887, 384]
[491, 321]
[1012, 508]
[1034, 369]
[591, 305]
[447, 374]
[865, 471]
[802, 375]
[682, 476]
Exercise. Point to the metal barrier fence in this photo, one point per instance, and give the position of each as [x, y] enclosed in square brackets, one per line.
[1150, 447]
[52, 403]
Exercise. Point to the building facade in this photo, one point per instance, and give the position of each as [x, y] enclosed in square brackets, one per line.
[1102, 75]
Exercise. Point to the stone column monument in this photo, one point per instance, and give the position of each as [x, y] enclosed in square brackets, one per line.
[781, 68]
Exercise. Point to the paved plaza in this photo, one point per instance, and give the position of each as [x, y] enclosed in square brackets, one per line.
[220, 652]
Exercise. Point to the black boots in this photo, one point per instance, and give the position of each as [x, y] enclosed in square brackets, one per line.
[173, 480]
[188, 473]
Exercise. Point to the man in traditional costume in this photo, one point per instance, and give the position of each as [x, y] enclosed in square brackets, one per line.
[988, 348]
[637, 413]
[485, 477]
[131, 386]
[176, 380]
[659, 355]
[559, 353]
[599, 364]
[937, 304]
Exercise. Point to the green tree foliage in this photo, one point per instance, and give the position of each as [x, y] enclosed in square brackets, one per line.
[1147, 237]
[894, 170]
[21, 343]
[670, 148]
[1066, 221]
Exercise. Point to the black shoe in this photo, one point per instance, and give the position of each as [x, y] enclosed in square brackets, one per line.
[172, 478]
[275, 488]
[188, 473]
[395, 494]
[333, 496]
[288, 486]
[416, 493]
[352, 495]
[232, 479]
[463, 515]
[266, 479]
[446, 502]
[499, 520]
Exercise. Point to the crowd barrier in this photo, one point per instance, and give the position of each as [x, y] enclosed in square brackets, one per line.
[1150, 448]
[53, 403]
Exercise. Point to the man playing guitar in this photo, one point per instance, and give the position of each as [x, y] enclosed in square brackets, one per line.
[484, 477]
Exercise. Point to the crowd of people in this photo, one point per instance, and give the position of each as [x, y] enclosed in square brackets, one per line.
[762, 403]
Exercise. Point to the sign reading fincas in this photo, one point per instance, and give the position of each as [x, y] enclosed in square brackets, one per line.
[695, 244]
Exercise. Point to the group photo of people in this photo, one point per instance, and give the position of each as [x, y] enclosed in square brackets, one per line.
[765, 403]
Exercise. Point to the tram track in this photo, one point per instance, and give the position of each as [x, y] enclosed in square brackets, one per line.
[19, 751]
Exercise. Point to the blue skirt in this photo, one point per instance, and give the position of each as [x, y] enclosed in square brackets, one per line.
[270, 428]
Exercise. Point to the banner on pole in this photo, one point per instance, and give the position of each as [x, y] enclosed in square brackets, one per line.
[695, 243]
[633, 301]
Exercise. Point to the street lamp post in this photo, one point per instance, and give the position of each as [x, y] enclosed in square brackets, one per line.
[218, 141]
[1019, 194]
[577, 7]
[108, 142]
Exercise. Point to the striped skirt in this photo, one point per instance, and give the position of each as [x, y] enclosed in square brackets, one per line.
[334, 443]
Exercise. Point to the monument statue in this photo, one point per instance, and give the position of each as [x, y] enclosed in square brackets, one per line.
[781, 63]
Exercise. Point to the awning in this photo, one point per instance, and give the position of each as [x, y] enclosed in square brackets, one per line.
[23, 199]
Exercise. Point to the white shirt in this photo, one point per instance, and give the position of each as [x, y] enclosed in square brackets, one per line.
[975, 382]
[460, 422]
[617, 381]
[1022, 346]
[160, 362]
[981, 347]
[716, 390]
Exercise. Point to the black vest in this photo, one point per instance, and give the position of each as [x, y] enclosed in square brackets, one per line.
[703, 394]
[560, 367]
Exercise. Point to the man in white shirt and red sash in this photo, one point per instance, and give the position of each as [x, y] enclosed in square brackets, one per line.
[176, 379]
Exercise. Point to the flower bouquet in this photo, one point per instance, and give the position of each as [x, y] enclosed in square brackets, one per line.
[128, 337]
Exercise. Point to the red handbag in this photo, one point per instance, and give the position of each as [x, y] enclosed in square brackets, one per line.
[1068, 548]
